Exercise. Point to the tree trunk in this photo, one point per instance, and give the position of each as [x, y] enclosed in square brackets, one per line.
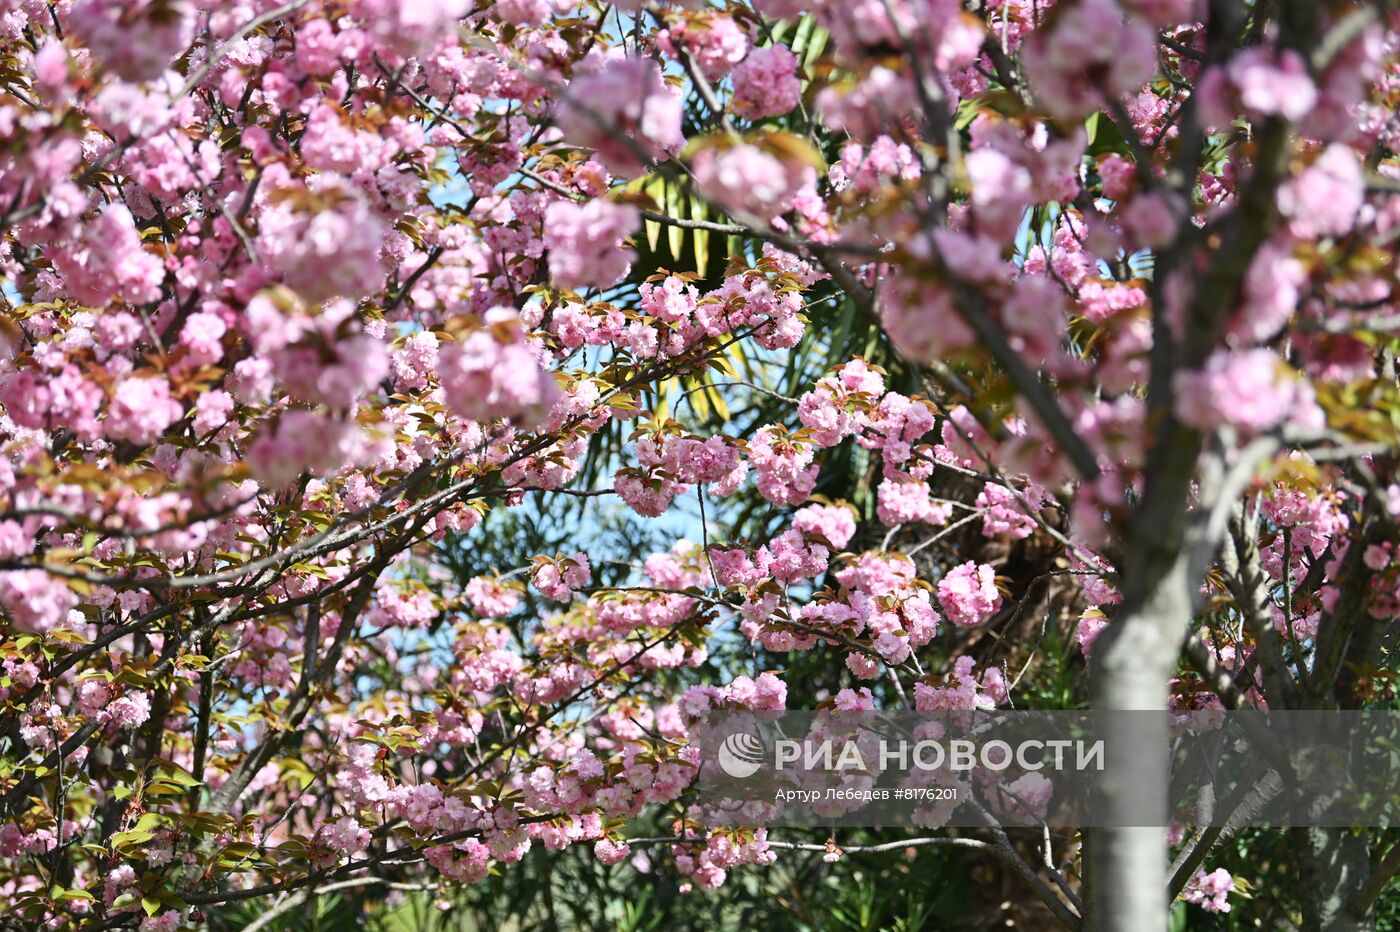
[1133, 661]
[1335, 868]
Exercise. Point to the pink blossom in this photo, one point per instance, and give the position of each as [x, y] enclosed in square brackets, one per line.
[838, 406]
[851, 700]
[862, 666]
[34, 600]
[1163, 13]
[585, 242]
[672, 300]
[785, 472]
[523, 12]
[1249, 389]
[410, 28]
[1117, 174]
[414, 362]
[905, 502]
[1089, 53]
[345, 835]
[128, 711]
[649, 495]
[557, 580]
[766, 83]
[322, 254]
[865, 170]
[969, 595]
[1150, 220]
[829, 523]
[403, 607]
[734, 568]
[1325, 198]
[715, 43]
[1262, 82]
[107, 261]
[766, 693]
[1025, 798]
[624, 102]
[962, 689]
[492, 598]
[492, 373]
[138, 39]
[1210, 891]
[141, 409]
[51, 65]
[1035, 315]
[1005, 513]
[201, 338]
[1378, 556]
[610, 852]
[1272, 291]
[168, 921]
[922, 321]
[747, 178]
[1001, 191]
[787, 9]
[463, 861]
[1088, 628]
[299, 441]
[328, 144]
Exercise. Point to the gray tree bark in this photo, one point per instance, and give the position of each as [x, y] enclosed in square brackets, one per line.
[1134, 659]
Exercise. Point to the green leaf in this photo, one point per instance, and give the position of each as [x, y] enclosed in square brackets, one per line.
[74, 895]
[123, 840]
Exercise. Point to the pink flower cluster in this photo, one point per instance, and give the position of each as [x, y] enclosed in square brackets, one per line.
[1260, 82]
[1326, 197]
[766, 83]
[35, 600]
[968, 594]
[714, 42]
[409, 28]
[1086, 631]
[1003, 513]
[865, 170]
[723, 851]
[141, 409]
[908, 501]
[585, 243]
[496, 372]
[801, 552]
[765, 693]
[1210, 891]
[749, 179]
[783, 467]
[492, 598]
[402, 606]
[962, 689]
[833, 409]
[1091, 53]
[625, 113]
[677, 316]
[1248, 389]
[137, 39]
[331, 250]
[671, 464]
[557, 579]
[298, 441]
[886, 602]
[105, 261]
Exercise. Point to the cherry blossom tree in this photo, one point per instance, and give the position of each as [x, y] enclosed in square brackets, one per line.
[310, 307]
